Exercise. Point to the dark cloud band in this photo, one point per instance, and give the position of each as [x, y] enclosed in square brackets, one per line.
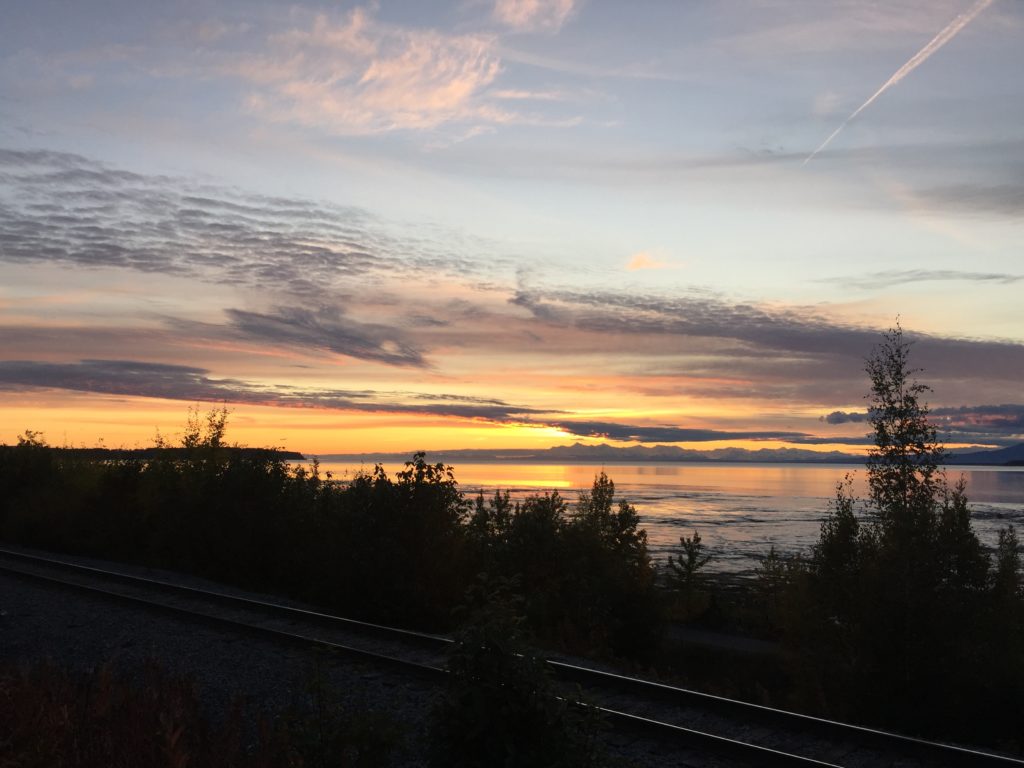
[178, 382]
[1000, 424]
[665, 434]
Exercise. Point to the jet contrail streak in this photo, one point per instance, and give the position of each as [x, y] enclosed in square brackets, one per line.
[917, 60]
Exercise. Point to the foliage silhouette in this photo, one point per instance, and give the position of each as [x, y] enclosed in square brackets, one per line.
[399, 549]
[586, 579]
[894, 616]
[52, 717]
[683, 570]
[500, 708]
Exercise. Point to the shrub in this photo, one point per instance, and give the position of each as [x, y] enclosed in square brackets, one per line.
[500, 708]
[49, 717]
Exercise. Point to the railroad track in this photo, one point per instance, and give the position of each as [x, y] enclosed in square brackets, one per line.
[737, 730]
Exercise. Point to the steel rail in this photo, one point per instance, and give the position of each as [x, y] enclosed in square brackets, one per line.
[424, 639]
[757, 755]
[585, 676]
[950, 754]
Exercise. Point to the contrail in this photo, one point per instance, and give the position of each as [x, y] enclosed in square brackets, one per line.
[917, 60]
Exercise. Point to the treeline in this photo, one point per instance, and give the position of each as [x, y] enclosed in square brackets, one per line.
[401, 550]
[167, 452]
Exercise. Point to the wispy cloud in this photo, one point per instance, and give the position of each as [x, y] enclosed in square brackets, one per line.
[902, 276]
[515, 94]
[326, 328]
[338, 72]
[774, 28]
[532, 15]
[944, 36]
[351, 74]
[993, 199]
[354, 75]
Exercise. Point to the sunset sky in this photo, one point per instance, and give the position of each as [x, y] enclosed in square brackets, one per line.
[396, 226]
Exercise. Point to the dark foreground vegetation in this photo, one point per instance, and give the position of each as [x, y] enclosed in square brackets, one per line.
[106, 719]
[400, 550]
[897, 618]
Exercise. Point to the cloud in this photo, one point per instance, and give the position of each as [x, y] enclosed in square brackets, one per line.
[130, 378]
[826, 104]
[845, 417]
[800, 330]
[533, 15]
[319, 278]
[902, 276]
[664, 434]
[787, 28]
[338, 72]
[644, 260]
[352, 75]
[636, 167]
[791, 353]
[1000, 424]
[326, 328]
[675, 434]
[63, 208]
[992, 199]
[215, 30]
[117, 377]
[796, 330]
[1005, 419]
[512, 94]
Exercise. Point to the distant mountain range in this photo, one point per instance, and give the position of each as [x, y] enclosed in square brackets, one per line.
[1012, 455]
[669, 453]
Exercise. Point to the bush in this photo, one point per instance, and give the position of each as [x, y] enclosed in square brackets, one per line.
[49, 717]
[584, 574]
[500, 708]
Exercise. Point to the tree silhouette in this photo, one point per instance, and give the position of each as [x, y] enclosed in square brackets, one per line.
[894, 605]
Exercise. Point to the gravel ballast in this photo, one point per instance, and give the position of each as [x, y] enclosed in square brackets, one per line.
[40, 622]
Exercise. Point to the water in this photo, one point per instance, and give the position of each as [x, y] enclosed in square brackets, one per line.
[740, 510]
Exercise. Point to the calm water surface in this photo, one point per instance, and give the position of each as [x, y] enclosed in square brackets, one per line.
[738, 509]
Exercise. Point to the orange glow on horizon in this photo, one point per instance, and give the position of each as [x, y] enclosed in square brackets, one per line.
[80, 419]
[85, 419]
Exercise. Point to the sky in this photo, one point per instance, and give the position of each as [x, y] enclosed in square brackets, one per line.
[396, 226]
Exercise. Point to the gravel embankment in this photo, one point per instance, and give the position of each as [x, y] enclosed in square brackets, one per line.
[79, 631]
[41, 622]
